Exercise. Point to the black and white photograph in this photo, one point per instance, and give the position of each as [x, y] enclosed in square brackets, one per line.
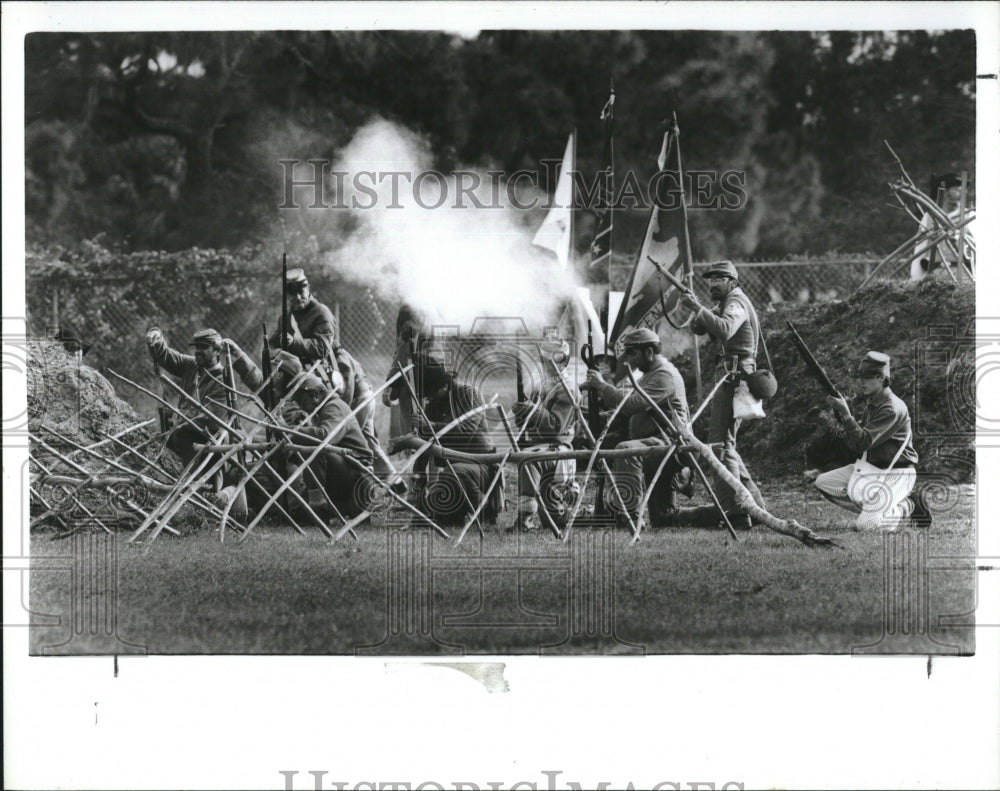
[503, 370]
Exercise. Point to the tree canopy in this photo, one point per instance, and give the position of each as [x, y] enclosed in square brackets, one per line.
[171, 140]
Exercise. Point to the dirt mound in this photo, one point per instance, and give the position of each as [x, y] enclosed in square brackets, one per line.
[927, 327]
[73, 399]
[69, 403]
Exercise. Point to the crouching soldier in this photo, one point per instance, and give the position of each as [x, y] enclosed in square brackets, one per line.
[454, 490]
[201, 377]
[664, 385]
[877, 487]
[358, 393]
[550, 426]
[321, 414]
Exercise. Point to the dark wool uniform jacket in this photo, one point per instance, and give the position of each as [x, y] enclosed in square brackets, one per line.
[317, 332]
[356, 385]
[469, 436]
[348, 436]
[884, 426]
[201, 384]
[411, 331]
[663, 383]
[732, 325]
[554, 421]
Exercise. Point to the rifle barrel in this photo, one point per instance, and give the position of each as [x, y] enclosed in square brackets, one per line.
[284, 298]
[811, 363]
[680, 286]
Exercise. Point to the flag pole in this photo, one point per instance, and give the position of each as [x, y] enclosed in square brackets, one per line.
[611, 215]
[572, 210]
[687, 243]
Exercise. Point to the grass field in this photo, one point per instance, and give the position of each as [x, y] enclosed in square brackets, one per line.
[407, 592]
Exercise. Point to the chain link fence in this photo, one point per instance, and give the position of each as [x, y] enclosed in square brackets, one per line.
[115, 328]
[108, 314]
[794, 282]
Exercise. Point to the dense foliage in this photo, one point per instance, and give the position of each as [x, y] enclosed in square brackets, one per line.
[170, 140]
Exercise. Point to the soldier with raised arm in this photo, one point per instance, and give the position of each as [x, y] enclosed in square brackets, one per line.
[735, 331]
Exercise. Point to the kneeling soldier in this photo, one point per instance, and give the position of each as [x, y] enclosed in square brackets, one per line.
[550, 427]
[454, 490]
[884, 438]
[664, 385]
[349, 487]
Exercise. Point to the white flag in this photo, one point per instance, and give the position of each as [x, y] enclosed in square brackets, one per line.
[554, 233]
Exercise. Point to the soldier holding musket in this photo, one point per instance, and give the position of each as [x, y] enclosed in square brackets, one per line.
[735, 330]
[664, 385]
[311, 334]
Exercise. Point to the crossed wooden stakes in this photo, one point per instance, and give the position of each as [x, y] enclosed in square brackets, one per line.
[942, 230]
[212, 456]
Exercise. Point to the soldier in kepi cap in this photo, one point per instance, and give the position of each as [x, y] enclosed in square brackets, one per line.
[664, 385]
[884, 438]
[735, 330]
[550, 426]
[319, 413]
[313, 333]
[201, 377]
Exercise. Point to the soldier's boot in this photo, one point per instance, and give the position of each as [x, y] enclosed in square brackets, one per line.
[622, 521]
[695, 516]
[920, 515]
[527, 513]
[740, 520]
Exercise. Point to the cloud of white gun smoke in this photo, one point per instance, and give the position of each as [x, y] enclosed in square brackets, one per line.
[454, 263]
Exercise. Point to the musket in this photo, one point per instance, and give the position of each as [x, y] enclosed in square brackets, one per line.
[267, 372]
[814, 367]
[679, 285]
[519, 371]
[284, 298]
[593, 397]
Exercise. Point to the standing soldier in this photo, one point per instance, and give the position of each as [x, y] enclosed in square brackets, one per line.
[884, 437]
[550, 427]
[735, 330]
[664, 385]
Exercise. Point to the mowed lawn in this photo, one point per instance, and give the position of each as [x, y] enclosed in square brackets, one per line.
[396, 591]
